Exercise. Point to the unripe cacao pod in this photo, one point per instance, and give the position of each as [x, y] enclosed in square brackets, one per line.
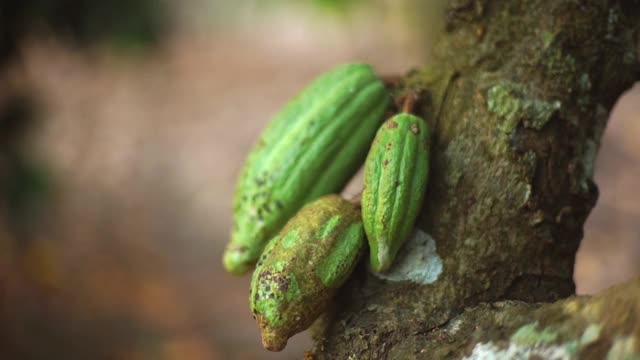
[311, 148]
[301, 269]
[395, 179]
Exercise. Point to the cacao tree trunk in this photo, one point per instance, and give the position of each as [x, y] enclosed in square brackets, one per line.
[518, 97]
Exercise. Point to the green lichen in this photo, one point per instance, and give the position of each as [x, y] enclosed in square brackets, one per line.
[557, 63]
[629, 57]
[513, 104]
[529, 335]
[548, 38]
[613, 19]
[584, 82]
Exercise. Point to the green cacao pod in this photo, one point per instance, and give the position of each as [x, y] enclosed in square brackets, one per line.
[301, 269]
[311, 148]
[395, 179]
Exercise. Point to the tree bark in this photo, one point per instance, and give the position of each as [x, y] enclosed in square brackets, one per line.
[518, 98]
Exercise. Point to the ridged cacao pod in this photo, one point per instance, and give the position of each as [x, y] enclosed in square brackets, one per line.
[311, 148]
[395, 180]
[301, 269]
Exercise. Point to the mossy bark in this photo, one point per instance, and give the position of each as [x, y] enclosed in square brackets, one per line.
[522, 94]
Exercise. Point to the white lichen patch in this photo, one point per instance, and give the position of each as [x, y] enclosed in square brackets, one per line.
[454, 326]
[417, 261]
[530, 342]
[490, 351]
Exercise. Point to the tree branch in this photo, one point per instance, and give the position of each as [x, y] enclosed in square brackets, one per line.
[518, 99]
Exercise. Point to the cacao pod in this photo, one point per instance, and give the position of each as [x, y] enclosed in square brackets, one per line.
[395, 179]
[311, 148]
[301, 269]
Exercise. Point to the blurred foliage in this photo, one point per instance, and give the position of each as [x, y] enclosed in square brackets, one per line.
[25, 184]
[329, 7]
[339, 6]
[122, 23]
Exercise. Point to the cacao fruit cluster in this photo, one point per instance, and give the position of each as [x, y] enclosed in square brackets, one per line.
[303, 240]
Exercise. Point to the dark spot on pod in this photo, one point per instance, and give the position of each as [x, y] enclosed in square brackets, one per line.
[259, 181]
[391, 125]
[388, 147]
[259, 263]
[279, 204]
[415, 129]
[256, 297]
[268, 288]
[385, 163]
[271, 296]
[265, 273]
[283, 284]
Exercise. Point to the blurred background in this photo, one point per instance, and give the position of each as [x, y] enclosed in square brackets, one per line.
[123, 126]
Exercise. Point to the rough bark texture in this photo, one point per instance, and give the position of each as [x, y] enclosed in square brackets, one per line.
[525, 98]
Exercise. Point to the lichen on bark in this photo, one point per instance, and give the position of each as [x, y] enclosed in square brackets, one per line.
[516, 129]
